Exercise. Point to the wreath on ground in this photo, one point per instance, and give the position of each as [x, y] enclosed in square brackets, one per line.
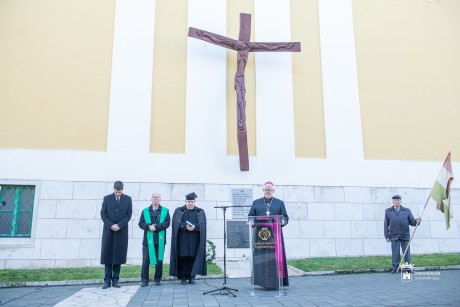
[210, 251]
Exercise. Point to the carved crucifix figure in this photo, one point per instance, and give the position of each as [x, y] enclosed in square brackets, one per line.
[243, 46]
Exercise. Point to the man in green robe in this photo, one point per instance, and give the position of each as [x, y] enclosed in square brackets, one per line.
[154, 220]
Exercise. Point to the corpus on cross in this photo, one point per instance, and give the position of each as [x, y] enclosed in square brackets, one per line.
[243, 46]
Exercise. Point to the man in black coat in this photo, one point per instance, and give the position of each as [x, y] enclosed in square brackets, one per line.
[396, 230]
[154, 221]
[267, 270]
[188, 241]
[116, 212]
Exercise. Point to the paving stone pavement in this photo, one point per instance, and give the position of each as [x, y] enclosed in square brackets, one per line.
[429, 288]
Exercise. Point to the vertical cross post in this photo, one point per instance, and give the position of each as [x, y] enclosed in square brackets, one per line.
[243, 46]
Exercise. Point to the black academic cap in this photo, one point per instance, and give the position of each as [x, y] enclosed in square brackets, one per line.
[396, 196]
[118, 185]
[191, 196]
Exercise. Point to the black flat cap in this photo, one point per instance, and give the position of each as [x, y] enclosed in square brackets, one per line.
[118, 185]
[191, 196]
[396, 196]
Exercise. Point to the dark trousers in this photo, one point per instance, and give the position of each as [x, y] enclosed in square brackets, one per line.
[146, 265]
[399, 246]
[185, 267]
[112, 273]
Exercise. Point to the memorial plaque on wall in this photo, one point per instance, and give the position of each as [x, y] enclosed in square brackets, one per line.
[237, 234]
[241, 197]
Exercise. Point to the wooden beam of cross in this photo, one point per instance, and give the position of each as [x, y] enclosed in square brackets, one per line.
[243, 46]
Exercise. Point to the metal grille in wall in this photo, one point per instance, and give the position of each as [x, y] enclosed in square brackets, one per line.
[16, 212]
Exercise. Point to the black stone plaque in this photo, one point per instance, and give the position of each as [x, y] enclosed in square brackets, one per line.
[237, 234]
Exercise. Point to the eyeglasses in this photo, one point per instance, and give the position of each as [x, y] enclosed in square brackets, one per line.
[268, 190]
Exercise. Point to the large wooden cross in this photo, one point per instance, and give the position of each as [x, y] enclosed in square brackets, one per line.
[243, 46]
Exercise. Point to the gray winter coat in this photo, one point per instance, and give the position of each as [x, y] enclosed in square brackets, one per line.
[396, 225]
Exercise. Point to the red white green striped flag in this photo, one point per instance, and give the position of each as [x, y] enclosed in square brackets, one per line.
[441, 190]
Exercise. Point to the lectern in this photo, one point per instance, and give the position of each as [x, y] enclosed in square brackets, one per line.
[267, 266]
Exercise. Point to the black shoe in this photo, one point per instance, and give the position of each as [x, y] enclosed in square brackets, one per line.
[393, 271]
[144, 284]
[157, 283]
[183, 282]
[106, 285]
[116, 285]
[191, 281]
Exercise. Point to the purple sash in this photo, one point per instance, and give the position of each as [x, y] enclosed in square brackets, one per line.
[279, 256]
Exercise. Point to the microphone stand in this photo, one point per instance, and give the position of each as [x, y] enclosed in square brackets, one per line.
[224, 286]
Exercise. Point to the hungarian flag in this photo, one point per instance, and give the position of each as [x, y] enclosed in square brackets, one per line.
[441, 190]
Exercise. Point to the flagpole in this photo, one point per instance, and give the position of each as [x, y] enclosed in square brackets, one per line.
[438, 196]
[413, 233]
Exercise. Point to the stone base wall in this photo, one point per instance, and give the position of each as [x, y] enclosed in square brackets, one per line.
[324, 221]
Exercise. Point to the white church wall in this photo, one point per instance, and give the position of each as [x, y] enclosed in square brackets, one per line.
[205, 159]
[273, 85]
[131, 82]
[344, 142]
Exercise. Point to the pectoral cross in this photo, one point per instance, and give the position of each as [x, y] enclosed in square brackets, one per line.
[243, 46]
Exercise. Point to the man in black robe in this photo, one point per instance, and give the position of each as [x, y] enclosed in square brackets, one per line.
[269, 256]
[188, 241]
[116, 212]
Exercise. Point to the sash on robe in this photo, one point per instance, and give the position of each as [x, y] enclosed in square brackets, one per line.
[278, 240]
[161, 236]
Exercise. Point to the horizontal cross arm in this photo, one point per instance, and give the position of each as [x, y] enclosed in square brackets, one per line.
[212, 38]
[274, 47]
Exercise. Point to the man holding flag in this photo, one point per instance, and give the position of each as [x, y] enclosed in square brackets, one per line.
[440, 193]
[396, 231]
[154, 220]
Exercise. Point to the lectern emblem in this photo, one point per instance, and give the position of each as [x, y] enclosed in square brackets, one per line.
[264, 234]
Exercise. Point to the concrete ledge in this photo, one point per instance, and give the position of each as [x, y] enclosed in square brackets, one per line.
[217, 276]
[88, 282]
[429, 268]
